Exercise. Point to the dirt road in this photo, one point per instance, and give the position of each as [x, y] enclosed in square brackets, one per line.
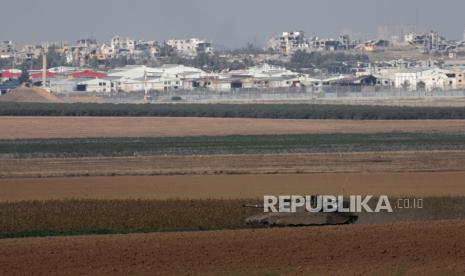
[433, 248]
[233, 186]
[79, 127]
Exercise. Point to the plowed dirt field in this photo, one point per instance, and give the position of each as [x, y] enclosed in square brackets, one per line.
[426, 248]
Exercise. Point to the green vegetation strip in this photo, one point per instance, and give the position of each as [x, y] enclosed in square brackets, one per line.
[98, 217]
[275, 111]
[77, 217]
[261, 144]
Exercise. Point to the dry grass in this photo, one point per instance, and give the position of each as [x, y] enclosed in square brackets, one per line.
[235, 164]
[67, 217]
[31, 218]
[233, 186]
[84, 127]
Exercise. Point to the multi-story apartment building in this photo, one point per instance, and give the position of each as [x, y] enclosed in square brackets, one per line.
[289, 42]
[122, 45]
[429, 42]
[190, 47]
[7, 49]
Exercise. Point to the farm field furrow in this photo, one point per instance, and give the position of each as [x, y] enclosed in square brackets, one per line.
[422, 248]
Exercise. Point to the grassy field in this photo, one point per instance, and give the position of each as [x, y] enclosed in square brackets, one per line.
[263, 144]
[72, 217]
[27, 127]
[282, 111]
[75, 217]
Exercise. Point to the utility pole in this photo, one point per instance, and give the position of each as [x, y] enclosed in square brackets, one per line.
[44, 69]
[147, 97]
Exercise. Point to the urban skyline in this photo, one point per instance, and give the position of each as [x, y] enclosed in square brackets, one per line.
[50, 20]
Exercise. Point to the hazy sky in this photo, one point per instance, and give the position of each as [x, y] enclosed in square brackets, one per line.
[226, 22]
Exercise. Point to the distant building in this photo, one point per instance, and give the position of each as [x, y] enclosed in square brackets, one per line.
[122, 45]
[190, 47]
[147, 48]
[28, 52]
[460, 77]
[7, 49]
[428, 42]
[289, 42]
[96, 85]
[428, 80]
[342, 43]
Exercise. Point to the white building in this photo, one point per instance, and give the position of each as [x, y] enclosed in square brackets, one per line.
[29, 52]
[106, 51]
[149, 48]
[262, 71]
[96, 85]
[190, 47]
[7, 49]
[429, 80]
[122, 45]
[164, 78]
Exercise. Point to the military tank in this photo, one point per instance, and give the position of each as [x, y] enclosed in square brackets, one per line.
[300, 218]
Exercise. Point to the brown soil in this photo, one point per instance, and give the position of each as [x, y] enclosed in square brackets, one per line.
[432, 248]
[34, 94]
[75, 127]
[233, 186]
[235, 164]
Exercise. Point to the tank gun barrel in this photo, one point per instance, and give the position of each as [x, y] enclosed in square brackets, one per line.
[252, 206]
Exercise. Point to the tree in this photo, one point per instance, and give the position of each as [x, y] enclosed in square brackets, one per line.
[337, 63]
[24, 78]
[94, 63]
[54, 58]
[406, 85]
[421, 86]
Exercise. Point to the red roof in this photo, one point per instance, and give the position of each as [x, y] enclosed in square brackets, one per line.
[88, 74]
[9, 75]
[39, 75]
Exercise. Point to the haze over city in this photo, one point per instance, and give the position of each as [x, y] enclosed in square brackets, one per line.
[227, 23]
